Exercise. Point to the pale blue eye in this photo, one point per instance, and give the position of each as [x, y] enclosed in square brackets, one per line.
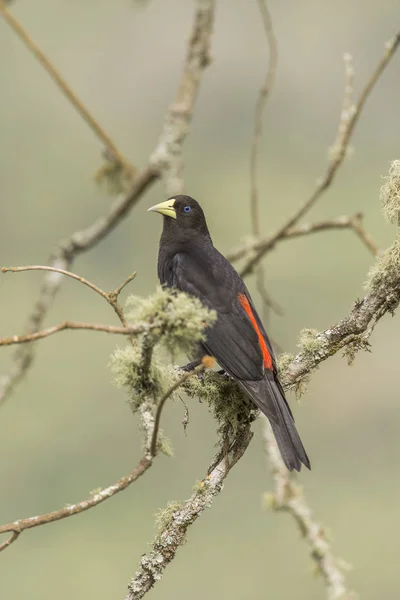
[187, 209]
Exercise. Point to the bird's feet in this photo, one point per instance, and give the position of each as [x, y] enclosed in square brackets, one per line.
[191, 366]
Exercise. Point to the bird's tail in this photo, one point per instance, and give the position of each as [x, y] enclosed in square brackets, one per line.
[269, 396]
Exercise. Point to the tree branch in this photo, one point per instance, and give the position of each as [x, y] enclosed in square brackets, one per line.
[290, 498]
[353, 222]
[111, 297]
[44, 333]
[175, 526]
[265, 90]
[65, 89]
[17, 527]
[165, 161]
[336, 160]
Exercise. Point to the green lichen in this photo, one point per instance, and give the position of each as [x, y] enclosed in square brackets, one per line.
[164, 517]
[125, 363]
[360, 342]
[284, 361]
[164, 444]
[173, 318]
[386, 269]
[390, 194]
[311, 344]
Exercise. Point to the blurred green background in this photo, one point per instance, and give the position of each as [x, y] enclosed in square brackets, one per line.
[66, 429]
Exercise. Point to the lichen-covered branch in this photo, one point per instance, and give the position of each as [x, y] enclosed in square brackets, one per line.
[342, 142]
[160, 319]
[351, 333]
[175, 522]
[289, 497]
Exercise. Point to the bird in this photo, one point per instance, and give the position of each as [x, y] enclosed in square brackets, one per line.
[188, 261]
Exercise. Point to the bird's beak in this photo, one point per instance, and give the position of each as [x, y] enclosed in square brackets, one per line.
[165, 208]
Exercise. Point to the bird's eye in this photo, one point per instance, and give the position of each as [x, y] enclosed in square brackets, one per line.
[187, 209]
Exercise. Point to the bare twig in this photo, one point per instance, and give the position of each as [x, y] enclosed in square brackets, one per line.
[14, 536]
[65, 88]
[168, 394]
[289, 497]
[44, 333]
[335, 162]
[54, 270]
[259, 110]
[347, 107]
[111, 297]
[353, 222]
[17, 527]
[173, 533]
[258, 123]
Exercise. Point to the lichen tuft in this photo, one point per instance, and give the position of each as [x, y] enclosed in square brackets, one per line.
[386, 268]
[164, 517]
[390, 194]
[175, 319]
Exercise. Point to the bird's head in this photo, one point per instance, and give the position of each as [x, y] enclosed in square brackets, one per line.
[183, 217]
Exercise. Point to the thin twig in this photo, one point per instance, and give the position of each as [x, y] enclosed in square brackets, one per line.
[119, 289]
[290, 497]
[64, 87]
[14, 536]
[160, 406]
[259, 110]
[111, 297]
[44, 333]
[17, 527]
[335, 162]
[353, 222]
[257, 133]
[54, 270]
[347, 107]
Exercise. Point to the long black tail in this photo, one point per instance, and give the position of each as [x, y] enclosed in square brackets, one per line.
[270, 399]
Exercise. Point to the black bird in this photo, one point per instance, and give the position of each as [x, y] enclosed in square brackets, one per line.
[188, 261]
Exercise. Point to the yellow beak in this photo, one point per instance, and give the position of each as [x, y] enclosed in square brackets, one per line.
[165, 208]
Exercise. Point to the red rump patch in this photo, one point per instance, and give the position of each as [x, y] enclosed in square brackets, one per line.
[264, 349]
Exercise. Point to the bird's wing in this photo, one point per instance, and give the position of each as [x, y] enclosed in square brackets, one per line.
[235, 340]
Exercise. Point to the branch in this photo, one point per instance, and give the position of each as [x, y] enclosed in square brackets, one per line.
[289, 497]
[353, 222]
[165, 161]
[258, 123]
[111, 297]
[354, 330]
[17, 527]
[207, 362]
[63, 258]
[176, 523]
[167, 158]
[44, 333]
[65, 88]
[336, 160]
